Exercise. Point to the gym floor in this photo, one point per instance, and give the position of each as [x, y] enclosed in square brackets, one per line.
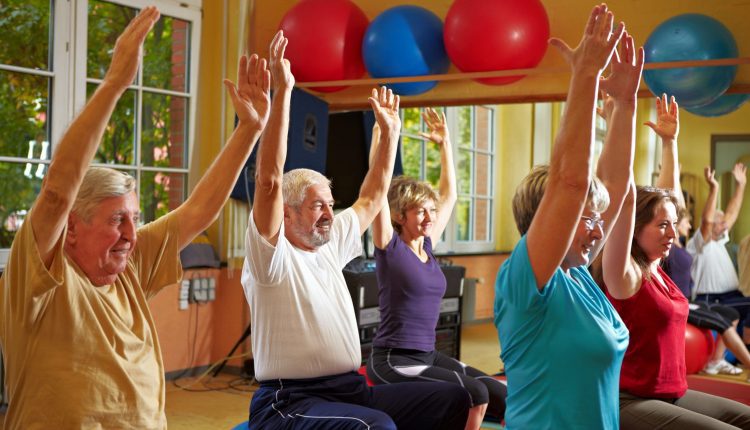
[222, 402]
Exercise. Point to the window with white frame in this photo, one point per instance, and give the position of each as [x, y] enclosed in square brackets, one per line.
[53, 56]
[471, 228]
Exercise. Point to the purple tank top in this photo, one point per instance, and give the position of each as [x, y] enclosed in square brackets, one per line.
[410, 293]
[677, 266]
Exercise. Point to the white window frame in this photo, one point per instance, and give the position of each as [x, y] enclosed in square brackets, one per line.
[70, 38]
[449, 244]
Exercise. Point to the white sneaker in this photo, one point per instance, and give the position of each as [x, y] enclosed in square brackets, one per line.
[721, 367]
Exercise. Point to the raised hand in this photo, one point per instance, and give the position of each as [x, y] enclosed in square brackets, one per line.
[129, 49]
[708, 173]
[437, 125]
[667, 118]
[740, 173]
[627, 65]
[251, 96]
[597, 44]
[281, 70]
[385, 106]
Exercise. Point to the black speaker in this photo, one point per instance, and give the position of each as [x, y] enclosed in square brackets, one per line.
[349, 137]
[306, 145]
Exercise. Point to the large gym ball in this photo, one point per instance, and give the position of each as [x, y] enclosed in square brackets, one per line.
[690, 37]
[405, 41]
[325, 41]
[725, 104]
[699, 346]
[488, 35]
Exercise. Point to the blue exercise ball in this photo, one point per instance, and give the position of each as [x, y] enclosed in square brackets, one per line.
[405, 41]
[690, 37]
[723, 105]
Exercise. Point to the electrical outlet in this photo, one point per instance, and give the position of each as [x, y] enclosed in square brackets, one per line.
[184, 294]
[211, 289]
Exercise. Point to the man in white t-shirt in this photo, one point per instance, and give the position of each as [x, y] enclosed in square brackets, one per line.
[712, 270]
[305, 342]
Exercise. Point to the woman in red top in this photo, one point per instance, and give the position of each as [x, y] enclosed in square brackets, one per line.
[653, 384]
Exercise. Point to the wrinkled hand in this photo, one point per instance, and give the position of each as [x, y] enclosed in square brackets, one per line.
[385, 106]
[627, 65]
[740, 173]
[129, 46]
[251, 96]
[597, 44]
[281, 69]
[708, 173]
[667, 118]
[437, 126]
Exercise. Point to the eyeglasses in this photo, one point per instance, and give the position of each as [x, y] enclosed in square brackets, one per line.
[593, 222]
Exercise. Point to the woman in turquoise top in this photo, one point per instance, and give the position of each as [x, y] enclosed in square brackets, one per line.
[562, 342]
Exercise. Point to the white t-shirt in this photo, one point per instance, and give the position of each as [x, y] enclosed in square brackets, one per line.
[712, 269]
[302, 317]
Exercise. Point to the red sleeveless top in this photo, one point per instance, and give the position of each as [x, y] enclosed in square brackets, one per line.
[654, 364]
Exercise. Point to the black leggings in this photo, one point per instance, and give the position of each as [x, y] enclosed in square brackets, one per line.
[391, 365]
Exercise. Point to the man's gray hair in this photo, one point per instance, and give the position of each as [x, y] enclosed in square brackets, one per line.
[296, 182]
[98, 184]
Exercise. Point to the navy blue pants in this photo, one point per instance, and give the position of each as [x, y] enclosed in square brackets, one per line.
[345, 402]
[733, 299]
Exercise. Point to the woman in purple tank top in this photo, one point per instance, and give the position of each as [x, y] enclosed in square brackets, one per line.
[411, 285]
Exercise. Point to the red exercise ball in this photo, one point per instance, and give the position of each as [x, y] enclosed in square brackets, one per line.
[325, 41]
[488, 35]
[699, 347]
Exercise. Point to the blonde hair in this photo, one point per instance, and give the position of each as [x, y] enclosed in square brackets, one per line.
[531, 190]
[296, 182]
[406, 193]
[98, 184]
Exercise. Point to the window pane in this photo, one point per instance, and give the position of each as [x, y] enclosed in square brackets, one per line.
[164, 137]
[25, 26]
[482, 174]
[167, 55]
[118, 143]
[19, 185]
[106, 22]
[481, 219]
[411, 121]
[432, 171]
[161, 193]
[411, 156]
[464, 126]
[463, 171]
[24, 104]
[463, 207]
[482, 118]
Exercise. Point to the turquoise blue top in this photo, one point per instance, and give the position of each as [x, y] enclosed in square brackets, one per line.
[562, 348]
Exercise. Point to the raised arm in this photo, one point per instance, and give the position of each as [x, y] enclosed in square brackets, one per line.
[667, 127]
[739, 172]
[268, 206]
[552, 230]
[615, 166]
[382, 229]
[251, 100]
[447, 188]
[375, 185]
[709, 211]
[78, 146]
